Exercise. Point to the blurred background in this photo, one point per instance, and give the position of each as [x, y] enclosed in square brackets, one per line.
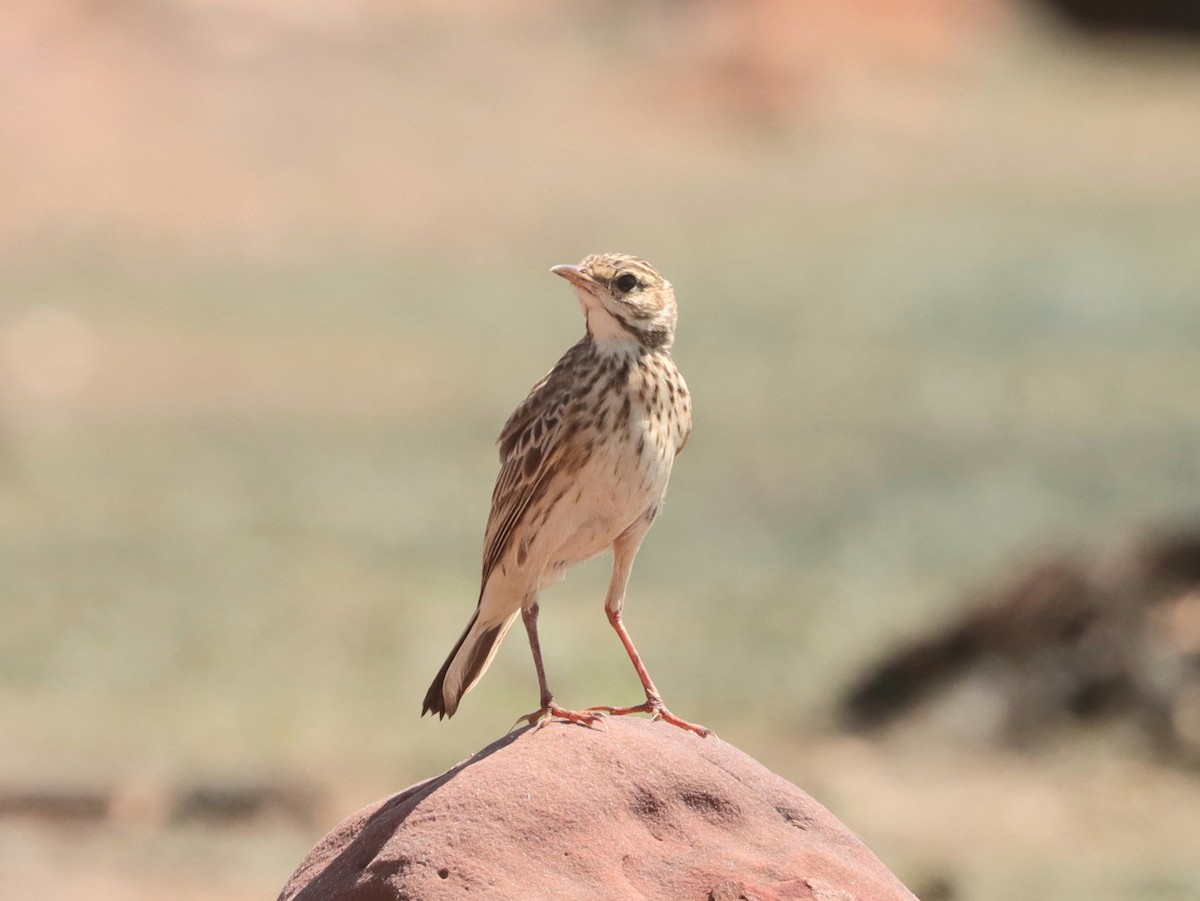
[273, 274]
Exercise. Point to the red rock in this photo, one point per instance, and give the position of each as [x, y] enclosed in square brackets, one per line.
[639, 810]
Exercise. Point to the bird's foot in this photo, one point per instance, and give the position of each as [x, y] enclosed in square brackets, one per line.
[551, 711]
[658, 711]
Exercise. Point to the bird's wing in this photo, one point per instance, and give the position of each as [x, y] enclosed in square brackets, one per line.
[535, 453]
[685, 431]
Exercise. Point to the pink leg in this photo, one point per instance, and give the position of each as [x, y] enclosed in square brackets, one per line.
[624, 551]
[549, 710]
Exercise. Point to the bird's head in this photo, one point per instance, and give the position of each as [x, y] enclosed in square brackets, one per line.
[624, 299]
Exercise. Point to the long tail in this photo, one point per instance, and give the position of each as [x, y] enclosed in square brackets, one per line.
[467, 663]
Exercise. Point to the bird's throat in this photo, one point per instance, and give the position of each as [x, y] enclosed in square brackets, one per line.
[608, 333]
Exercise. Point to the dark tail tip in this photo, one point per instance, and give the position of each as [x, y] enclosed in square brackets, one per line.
[480, 650]
[434, 702]
[435, 698]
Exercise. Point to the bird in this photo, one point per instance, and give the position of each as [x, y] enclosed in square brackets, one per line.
[585, 461]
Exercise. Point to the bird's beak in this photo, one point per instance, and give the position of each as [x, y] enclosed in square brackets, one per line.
[575, 276]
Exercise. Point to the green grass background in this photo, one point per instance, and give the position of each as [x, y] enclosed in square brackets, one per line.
[946, 318]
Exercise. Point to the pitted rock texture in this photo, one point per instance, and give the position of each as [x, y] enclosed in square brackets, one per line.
[636, 810]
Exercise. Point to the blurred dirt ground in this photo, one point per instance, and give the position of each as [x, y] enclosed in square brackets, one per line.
[272, 275]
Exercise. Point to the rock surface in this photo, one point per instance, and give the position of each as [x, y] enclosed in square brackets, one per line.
[637, 810]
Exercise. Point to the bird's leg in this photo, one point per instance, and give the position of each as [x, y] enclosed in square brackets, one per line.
[624, 550]
[654, 703]
[549, 710]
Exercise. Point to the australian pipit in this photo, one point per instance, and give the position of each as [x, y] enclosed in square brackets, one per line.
[585, 461]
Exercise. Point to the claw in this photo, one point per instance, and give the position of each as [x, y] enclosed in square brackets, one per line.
[657, 711]
[552, 711]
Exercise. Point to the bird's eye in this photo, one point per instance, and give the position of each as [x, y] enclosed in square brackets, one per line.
[627, 282]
